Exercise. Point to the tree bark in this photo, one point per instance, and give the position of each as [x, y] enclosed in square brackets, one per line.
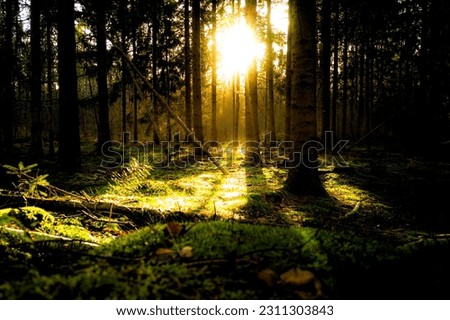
[104, 134]
[251, 93]
[214, 72]
[269, 73]
[69, 154]
[303, 177]
[325, 65]
[36, 147]
[187, 66]
[196, 71]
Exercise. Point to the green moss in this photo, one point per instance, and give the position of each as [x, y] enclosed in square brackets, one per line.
[29, 217]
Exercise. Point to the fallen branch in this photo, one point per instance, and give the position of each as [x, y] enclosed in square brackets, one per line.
[46, 235]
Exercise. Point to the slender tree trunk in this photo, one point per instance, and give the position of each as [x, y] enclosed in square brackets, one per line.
[333, 113]
[104, 134]
[49, 43]
[69, 154]
[8, 101]
[124, 69]
[303, 177]
[288, 105]
[251, 93]
[187, 66]
[269, 73]
[345, 78]
[214, 72]
[36, 147]
[155, 79]
[325, 65]
[135, 93]
[196, 71]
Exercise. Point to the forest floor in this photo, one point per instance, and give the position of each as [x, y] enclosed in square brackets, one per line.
[189, 232]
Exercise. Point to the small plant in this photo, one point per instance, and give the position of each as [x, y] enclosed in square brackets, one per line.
[28, 185]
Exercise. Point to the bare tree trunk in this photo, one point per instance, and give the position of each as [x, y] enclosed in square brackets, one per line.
[288, 106]
[251, 93]
[269, 73]
[303, 177]
[69, 154]
[214, 72]
[36, 147]
[325, 65]
[333, 113]
[8, 62]
[104, 134]
[196, 71]
[124, 70]
[49, 44]
[187, 66]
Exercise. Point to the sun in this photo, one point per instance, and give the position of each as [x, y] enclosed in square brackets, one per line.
[237, 48]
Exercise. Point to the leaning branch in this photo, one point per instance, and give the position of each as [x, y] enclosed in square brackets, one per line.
[169, 110]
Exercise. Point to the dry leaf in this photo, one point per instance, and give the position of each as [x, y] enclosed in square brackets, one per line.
[268, 276]
[297, 277]
[186, 252]
[163, 251]
[174, 229]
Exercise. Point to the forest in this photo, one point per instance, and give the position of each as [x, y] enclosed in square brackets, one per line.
[224, 149]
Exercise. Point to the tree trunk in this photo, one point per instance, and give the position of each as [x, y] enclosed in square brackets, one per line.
[251, 93]
[214, 72]
[155, 79]
[135, 93]
[187, 66]
[333, 113]
[345, 78]
[269, 74]
[303, 177]
[69, 154]
[36, 147]
[104, 135]
[325, 65]
[49, 43]
[8, 61]
[287, 118]
[124, 30]
[196, 71]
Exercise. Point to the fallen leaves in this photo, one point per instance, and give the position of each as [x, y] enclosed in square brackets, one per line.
[304, 282]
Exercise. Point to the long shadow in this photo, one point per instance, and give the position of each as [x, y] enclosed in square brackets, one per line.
[262, 202]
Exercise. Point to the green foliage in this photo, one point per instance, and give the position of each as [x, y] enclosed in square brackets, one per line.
[30, 186]
[133, 177]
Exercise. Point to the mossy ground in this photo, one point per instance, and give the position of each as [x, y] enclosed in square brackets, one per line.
[382, 233]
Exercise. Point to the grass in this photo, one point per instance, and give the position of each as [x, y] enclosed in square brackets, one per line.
[248, 239]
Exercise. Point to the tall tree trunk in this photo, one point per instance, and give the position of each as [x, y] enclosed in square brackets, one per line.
[104, 135]
[196, 71]
[36, 147]
[333, 113]
[251, 94]
[325, 65]
[49, 44]
[155, 79]
[69, 154]
[345, 77]
[135, 93]
[288, 105]
[303, 177]
[214, 72]
[187, 66]
[8, 94]
[269, 73]
[123, 21]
